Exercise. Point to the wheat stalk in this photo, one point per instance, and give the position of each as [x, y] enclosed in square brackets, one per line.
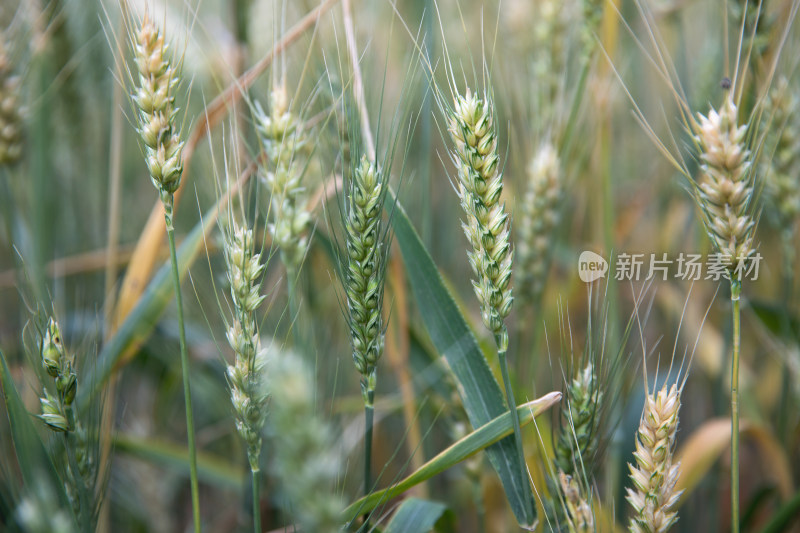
[654, 476]
[155, 99]
[487, 227]
[365, 274]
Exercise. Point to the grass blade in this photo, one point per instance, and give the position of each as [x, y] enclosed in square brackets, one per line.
[415, 516]
[479, 390]
[487, 435]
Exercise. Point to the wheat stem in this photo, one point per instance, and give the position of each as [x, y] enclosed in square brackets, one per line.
[256, 502]
[291, 290]
[369, 416]
[502, 348]
[187, 392]
[736, 290]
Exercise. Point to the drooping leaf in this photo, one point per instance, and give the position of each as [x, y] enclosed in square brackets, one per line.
[709, 441]
[35, 463]
[415, 516]
[479, 390]
[483, 437]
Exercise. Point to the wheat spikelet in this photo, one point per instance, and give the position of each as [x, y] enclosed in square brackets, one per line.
[654, 475]
[245, 375]
[725, 188]
[539, 218]
[155, 100]
[487, 226]
[283, 139]
[365, 269]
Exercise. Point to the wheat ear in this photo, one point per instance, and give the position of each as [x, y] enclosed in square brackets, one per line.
[579, 438]
[654, 476]
[365, 274]
[487, 226]
[10, 117]
[725, 194]
[725, 188]
[58, 414]
[539, 218]
[580, 517]
[782, 171]
[284, 139]
[245, 376]
[155, 100]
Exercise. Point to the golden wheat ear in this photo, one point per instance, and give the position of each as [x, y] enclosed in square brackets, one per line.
[725, 188]
[654, 475]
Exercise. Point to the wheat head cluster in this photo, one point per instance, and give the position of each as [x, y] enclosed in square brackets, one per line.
[294, 334]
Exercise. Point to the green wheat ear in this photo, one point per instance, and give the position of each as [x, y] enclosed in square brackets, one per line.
[245, 376]
[10, 117]
[539, 218]
[782, 172]
[365, 268]
[579, 438]
[487, 226]
[284, 141]
[155, 100]
[59, 415]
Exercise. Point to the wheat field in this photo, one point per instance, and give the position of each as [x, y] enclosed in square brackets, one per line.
[399, 266]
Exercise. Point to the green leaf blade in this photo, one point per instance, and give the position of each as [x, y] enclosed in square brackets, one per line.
[485, 436]
[35, 463]
[416, 516]
[479, 390]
